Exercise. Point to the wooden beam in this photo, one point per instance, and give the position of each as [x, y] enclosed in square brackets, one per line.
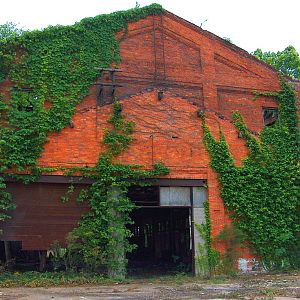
[82, 180]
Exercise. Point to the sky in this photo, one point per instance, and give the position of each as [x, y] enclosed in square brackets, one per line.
[271, 25]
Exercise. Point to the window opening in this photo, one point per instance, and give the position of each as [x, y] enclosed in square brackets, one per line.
[26, 100]
[270, 115]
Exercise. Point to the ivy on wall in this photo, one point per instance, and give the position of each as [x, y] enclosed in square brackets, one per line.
[102, 237]
[207, 259]
[263, 195]
[51, 71]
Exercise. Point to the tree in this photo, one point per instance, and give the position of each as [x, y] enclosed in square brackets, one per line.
[227, 39]
[8, 30]
[287, 61]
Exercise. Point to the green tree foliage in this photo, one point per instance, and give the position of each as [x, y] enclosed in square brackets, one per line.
[287, 61]
[227, 39]
[9, 30]
[263, 194]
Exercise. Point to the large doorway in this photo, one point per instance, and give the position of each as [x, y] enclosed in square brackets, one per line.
[163, 239]
[162, 230]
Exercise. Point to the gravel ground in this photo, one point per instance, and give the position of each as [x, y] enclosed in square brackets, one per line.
[278, 287]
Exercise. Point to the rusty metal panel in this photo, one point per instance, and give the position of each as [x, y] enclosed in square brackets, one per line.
[40, 216]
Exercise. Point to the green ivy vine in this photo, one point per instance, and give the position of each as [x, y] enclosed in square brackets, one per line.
[262, 196]
[102, 236]
[207, 258]
[51, 71]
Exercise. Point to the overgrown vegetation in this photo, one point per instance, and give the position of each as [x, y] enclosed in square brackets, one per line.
[102, 237]
[8, 31]
[233, 240]
[37, 279]
[52, 71]
[207, 259]
[210, 262]
[263, 194]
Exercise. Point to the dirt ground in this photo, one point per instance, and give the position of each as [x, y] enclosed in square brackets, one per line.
[279, 287]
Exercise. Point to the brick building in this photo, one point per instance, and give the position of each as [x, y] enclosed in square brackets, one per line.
[170, 68]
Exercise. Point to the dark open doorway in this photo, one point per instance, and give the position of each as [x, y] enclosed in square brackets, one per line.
[162, 235]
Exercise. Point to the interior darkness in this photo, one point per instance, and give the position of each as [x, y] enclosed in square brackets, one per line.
[19, 260]
[162, 235]
[144, 195]
[2, 251]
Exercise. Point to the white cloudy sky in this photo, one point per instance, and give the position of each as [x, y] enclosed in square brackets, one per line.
[268, 24]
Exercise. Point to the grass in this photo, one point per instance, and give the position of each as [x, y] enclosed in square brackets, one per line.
[48, 279]
[268, 293]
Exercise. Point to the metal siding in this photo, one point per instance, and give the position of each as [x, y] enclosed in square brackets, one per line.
[175, 196]
[40, 216]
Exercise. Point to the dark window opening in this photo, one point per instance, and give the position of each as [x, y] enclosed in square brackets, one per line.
[26, 100]
[270, 115]
[26, 108]
[107, 86]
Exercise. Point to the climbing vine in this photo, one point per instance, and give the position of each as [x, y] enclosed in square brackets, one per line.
[263, 194]
[50, 72]
[212, 254]
[207, 258]
[102, 236]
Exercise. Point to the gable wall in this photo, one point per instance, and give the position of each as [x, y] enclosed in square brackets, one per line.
[195, 70]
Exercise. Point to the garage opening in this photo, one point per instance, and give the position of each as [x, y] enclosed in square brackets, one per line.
[163, 239]
[163, 230]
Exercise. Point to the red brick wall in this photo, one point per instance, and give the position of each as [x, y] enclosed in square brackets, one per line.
[195, 69]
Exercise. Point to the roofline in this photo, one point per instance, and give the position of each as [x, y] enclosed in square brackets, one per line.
[209, 34]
